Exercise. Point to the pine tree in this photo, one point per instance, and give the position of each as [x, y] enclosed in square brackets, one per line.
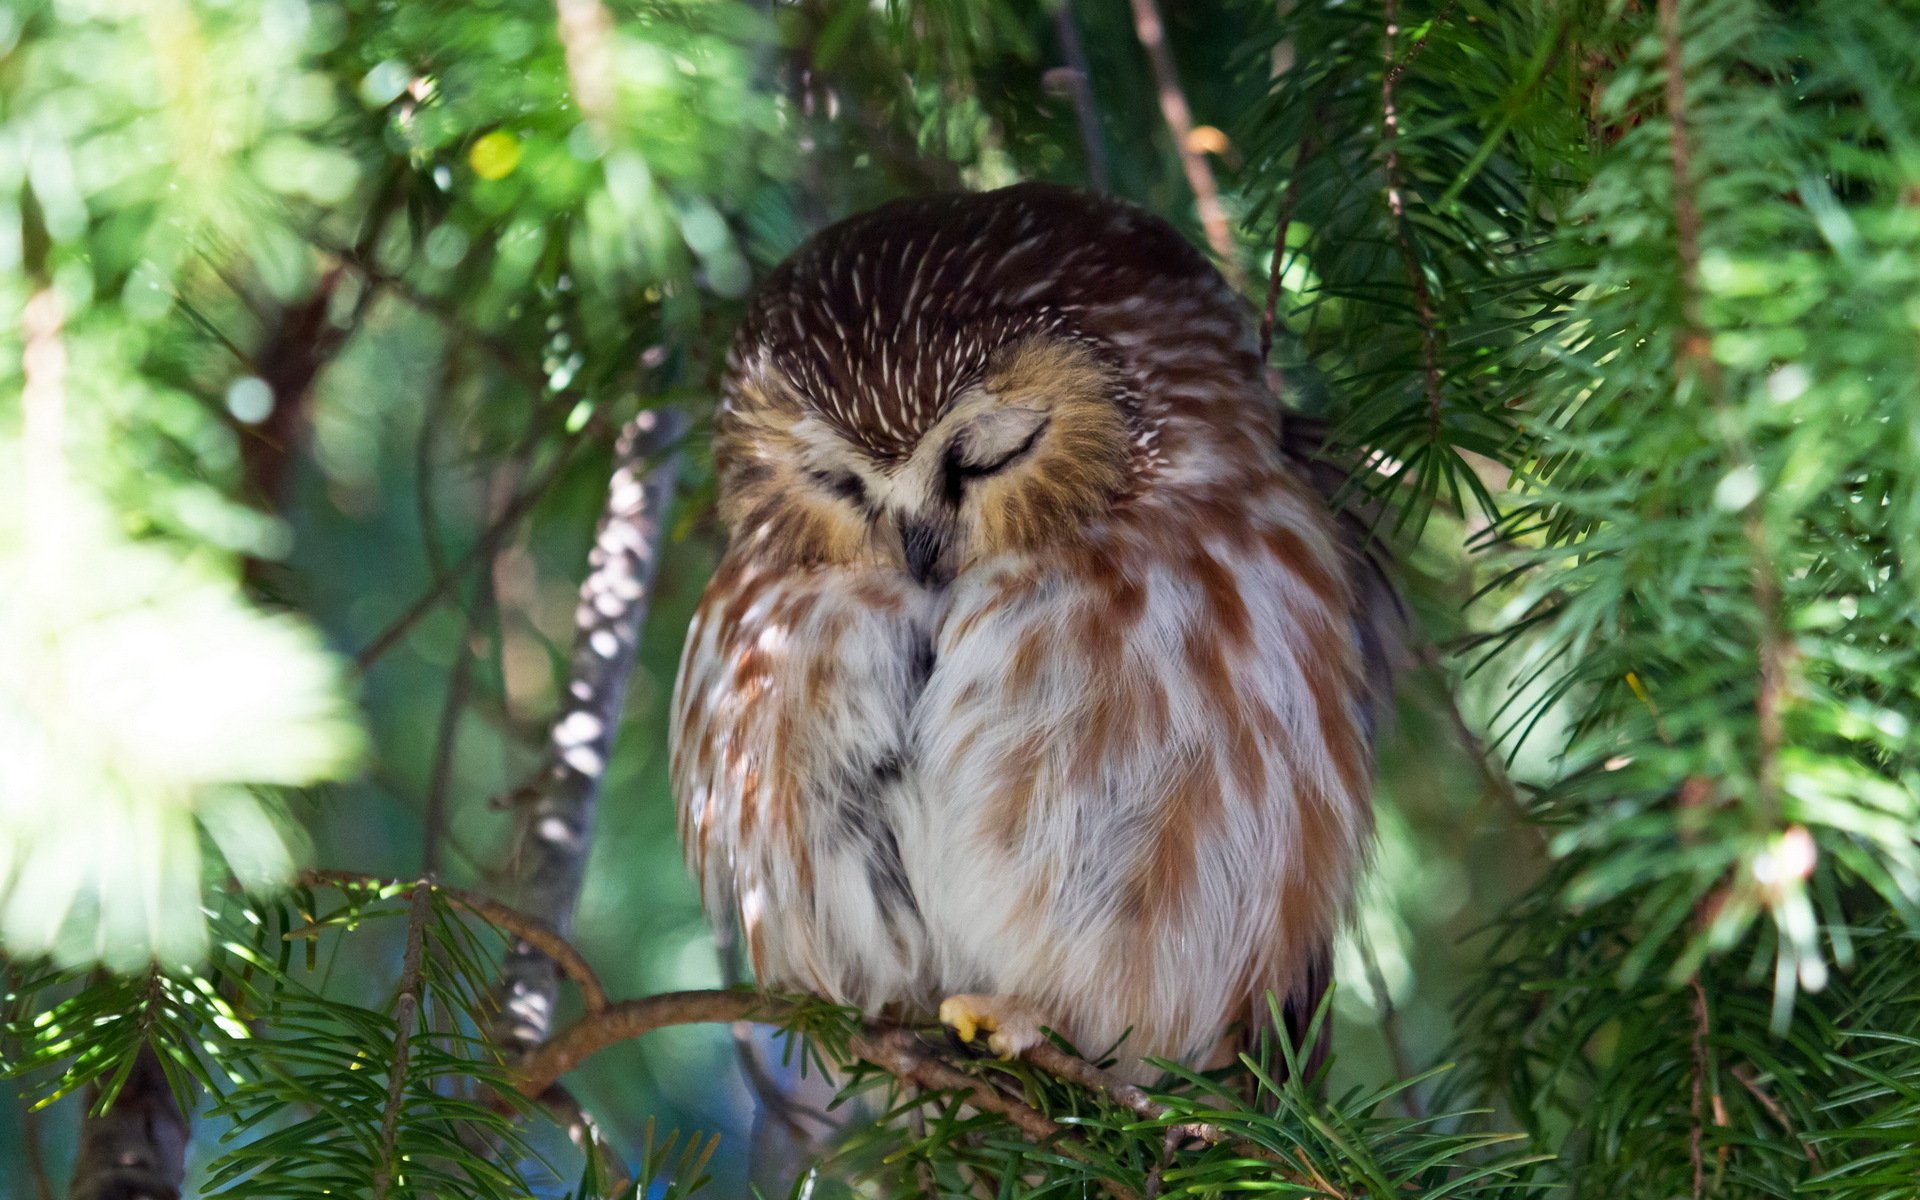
[329, 321]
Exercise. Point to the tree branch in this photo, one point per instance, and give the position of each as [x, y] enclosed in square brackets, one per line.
[1080, 86]
[136, 1149]
[405, 1010]
[572, 964]
[1152, 33]
[613, 606]
[1397, 209]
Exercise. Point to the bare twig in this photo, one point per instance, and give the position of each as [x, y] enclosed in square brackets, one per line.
[1288, 201]
[1745, 1077]
[1397, 209]
[1699, 1090]
[30, 1145]
[481, 551]
[446, 739]
[1080, 84]
[593, 995]
[406, 1009]
[1389, 1024]
[613, 605]
[1152, 33]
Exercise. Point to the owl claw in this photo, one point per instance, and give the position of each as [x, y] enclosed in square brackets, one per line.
[1012, 1027]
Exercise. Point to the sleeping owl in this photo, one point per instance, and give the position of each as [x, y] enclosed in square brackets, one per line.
[1034, 687]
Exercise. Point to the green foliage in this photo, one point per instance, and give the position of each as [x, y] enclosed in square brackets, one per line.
[1620, 297]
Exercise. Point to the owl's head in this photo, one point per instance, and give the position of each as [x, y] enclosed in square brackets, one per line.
[949, 377]
[1019, 453]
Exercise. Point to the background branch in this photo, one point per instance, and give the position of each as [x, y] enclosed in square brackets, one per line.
[137, 1148]
[613, 606]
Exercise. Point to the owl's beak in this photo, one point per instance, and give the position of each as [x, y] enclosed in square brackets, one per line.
[923, 544]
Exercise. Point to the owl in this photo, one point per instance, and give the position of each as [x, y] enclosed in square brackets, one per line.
[1033, 687]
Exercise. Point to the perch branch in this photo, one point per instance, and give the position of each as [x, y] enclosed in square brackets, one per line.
[613, 605]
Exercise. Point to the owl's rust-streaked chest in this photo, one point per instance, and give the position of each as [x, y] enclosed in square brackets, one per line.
[1135, 771]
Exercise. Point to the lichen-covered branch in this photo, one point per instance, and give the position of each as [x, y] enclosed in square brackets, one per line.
[559, 820]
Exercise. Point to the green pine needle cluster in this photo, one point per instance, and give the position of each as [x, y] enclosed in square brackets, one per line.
[1616, 304]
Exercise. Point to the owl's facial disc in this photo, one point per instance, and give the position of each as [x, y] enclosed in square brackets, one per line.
[1017, 463]
[1038, 450]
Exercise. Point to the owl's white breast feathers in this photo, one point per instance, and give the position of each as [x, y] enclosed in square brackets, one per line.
[1127, 782]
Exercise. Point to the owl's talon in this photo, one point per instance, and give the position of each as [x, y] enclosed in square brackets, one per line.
[956, 1015]
[1012, 1028]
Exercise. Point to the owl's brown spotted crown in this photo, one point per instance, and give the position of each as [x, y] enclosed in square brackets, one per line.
[949, 377]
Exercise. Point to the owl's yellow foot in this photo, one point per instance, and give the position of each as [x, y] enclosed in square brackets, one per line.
[1012, 1026]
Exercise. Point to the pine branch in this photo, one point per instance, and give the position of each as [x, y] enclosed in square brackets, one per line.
[1397, 210]
[406, 1012]
[529, 929]
[614, 600]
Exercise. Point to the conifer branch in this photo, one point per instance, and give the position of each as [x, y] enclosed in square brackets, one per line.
[1397, 212]
[406, 1012]
[572, 964]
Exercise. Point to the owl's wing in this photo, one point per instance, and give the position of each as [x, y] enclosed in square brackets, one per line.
[1149, 772]
[789, 748]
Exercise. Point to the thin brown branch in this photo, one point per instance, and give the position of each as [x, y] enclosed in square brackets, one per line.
[593, 994]
[628, 1019]
[446, 737]
[1696, 1139]
[1389, 1024]
[1759, 1093]
[1080, 85]
[406, 1010]
[480, 552]
[1289, 200]
[1397, 209]
[1696, 358]
[1686, 214]
[1152, 33]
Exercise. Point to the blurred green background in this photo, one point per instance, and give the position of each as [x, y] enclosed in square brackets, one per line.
[323, 287]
